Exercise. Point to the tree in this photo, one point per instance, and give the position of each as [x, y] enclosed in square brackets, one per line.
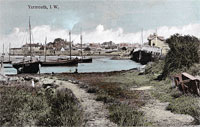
[124, 48]
[58, 40]
[183, 53]
[87, 49]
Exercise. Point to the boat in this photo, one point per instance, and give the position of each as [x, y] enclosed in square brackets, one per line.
[141, 57]
[145, 53]
[59, 62]
[83, 60]
[29, 66]
[7, 62]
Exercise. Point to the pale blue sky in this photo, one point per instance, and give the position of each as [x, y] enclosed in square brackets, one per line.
[130, 15]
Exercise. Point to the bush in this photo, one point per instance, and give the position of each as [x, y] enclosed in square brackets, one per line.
[125, 115]
[24, 105]
[183, 53]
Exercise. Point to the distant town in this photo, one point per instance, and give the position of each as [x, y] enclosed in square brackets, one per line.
[62, 47]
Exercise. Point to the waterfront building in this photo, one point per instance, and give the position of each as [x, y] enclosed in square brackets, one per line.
[16, 51]
[159, 42]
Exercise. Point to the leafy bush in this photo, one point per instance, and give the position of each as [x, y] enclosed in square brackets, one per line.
[24, 105]
[183, 53]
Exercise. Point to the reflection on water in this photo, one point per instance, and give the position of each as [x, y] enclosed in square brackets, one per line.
[97, 65]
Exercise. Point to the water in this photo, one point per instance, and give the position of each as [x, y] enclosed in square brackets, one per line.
[98, 65]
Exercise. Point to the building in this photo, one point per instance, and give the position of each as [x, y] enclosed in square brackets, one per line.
[158, 41]
[16, 51]
[35, 48]
[109, 45]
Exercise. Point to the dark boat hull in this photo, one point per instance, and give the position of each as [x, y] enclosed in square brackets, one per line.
[28, 67]
[7, 62]
[141, 57]
[59, 63]
[86, 60]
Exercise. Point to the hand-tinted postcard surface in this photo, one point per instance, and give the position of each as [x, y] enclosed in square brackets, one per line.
[99, 62]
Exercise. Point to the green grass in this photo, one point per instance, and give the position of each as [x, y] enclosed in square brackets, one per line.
[23, 105]
[125, 115]
[162, 90]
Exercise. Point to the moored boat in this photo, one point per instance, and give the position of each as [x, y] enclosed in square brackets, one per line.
[7, 62]
[85, 60]
[27, 66]
[59, 63]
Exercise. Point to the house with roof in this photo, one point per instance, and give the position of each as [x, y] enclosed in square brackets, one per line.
[158, 41]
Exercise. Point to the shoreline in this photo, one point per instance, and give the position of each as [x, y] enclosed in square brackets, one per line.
[79, 73]
[115, 90]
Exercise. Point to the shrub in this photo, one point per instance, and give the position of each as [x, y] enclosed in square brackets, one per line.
[125, 115]
[183, 53]
[24, 105]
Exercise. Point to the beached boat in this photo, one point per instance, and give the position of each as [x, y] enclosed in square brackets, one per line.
[141, 57]
[27, 66]
[146, 54]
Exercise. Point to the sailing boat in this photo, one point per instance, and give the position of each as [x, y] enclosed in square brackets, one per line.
[83, 60]
[60, 62]
[27, 66]
[141, 56]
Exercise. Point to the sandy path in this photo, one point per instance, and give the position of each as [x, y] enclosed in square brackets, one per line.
[156, 113]
[95, 113]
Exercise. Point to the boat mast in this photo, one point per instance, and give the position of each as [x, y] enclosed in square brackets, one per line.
[3, 49]
[9, 52]
[140, 55]
[30, 38]
[142, 36]
[45, 49]
[156, 37]
[2, 56]
[70, 45]
[81, 46]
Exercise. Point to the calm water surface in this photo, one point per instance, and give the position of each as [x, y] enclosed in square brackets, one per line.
[98, 65]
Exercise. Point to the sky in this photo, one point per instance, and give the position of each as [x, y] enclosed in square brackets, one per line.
[97, 20]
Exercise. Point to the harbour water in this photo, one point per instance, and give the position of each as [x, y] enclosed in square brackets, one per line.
[101, 64]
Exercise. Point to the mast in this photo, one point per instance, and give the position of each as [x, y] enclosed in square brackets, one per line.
[142, 36]
[140, 55]
[156, 37]
[70, 45]
[9, 52]
[81, 46]
[45, 49]
[3, 50]
[30, 38]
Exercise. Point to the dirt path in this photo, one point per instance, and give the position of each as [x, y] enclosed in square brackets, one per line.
[156, 113]
[95, 113]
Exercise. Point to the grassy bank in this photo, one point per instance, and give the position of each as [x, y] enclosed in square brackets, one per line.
[114, 89]
[24, 105]
[165, 92]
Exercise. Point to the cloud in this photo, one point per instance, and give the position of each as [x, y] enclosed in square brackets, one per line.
[19, 36]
